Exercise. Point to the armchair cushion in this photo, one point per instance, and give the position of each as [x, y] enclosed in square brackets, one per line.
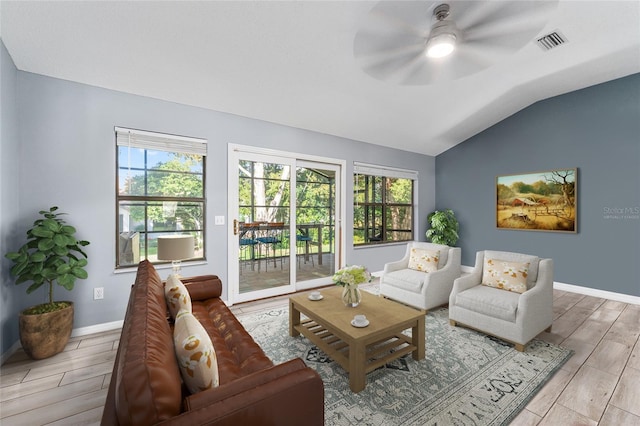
[511, 276]
[489, 301]
[424, 260]
[407, 279]
[532, 275]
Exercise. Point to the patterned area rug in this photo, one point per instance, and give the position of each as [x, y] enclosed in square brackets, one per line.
[467, 378]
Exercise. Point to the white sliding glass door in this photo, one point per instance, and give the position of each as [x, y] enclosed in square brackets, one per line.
[285, 223]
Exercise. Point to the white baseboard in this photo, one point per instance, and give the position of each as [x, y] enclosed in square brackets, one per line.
[98, 328]
[609, 295]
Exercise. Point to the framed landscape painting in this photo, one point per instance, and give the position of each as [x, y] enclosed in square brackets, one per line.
[542, 201]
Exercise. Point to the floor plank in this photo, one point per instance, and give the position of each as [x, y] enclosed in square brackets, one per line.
[627, 394]
[614, 416]
[589, 392]
[544, 400]
[610, 356]
[59, 410]
[50, 396]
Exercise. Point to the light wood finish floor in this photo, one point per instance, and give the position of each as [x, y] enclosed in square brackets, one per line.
[599, 385]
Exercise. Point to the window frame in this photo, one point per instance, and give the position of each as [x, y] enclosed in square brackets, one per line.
[373, 172]
[152, 141]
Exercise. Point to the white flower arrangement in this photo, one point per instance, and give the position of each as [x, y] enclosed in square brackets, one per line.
[352, 275]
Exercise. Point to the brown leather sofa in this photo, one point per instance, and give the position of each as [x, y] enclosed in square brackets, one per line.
[146, 387]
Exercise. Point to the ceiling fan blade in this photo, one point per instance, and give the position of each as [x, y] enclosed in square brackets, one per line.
[391, 38]
[510, 25]
[390, 44]
[470, 13]
[369, 44]
[386, 67]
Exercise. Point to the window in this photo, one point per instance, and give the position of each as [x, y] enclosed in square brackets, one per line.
[161, 184]
[382, 204]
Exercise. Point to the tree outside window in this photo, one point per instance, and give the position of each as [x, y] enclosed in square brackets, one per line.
[160, 192]
[382, 210]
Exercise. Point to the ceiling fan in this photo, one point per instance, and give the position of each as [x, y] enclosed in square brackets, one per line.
[424, 42]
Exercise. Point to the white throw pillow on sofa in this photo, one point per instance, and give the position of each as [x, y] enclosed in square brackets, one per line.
[195, 353]
[176, 295]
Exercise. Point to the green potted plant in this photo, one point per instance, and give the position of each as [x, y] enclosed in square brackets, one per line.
[444, 227]
[51, 254]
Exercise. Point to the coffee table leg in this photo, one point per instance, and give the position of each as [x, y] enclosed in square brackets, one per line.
[294, 319]
[357, 378]
[417, 337]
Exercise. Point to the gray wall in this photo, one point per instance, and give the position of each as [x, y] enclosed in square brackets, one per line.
[67, 158]
[597, 130]
[9, 152]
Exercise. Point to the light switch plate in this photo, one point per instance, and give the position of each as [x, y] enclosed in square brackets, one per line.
[219, 220]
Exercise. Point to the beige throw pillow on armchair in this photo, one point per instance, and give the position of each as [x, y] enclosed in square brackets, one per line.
[423, 260]
[502, 274]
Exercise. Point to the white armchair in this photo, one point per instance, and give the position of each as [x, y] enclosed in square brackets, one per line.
[509, 315]
[424, 290]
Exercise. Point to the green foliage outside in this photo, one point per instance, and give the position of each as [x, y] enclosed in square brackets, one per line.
[382, 210]
[178, 183]
[172, 179]
[264, 197]
[51, 254]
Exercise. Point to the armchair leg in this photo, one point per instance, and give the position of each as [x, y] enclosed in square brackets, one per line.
[519, 347]
[452, 323]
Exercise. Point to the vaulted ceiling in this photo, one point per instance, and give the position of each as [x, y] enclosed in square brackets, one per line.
[293, 62]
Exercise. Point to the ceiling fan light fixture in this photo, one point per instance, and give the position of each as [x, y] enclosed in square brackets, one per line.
[441, 45]
[442, 38]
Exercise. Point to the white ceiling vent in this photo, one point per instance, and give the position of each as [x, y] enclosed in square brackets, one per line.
[551, 40]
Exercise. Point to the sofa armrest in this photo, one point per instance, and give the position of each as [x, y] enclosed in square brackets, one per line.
[289, 392]
[203, 287]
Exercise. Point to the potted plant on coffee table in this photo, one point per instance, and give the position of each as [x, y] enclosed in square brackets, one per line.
[444, 227]
[52, 254]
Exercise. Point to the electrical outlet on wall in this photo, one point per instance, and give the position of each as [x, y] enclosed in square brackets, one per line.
[98, 293]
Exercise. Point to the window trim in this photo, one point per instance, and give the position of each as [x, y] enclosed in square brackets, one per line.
[394, 173]
[141, 139]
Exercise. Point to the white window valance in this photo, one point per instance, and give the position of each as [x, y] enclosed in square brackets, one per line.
[377, 170]
[160, 141]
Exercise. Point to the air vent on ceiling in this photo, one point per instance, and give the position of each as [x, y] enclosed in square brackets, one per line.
[551, 40]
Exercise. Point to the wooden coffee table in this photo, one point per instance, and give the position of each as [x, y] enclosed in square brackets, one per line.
[358, 350]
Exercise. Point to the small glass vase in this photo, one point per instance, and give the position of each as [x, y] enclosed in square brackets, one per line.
[351, 295]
